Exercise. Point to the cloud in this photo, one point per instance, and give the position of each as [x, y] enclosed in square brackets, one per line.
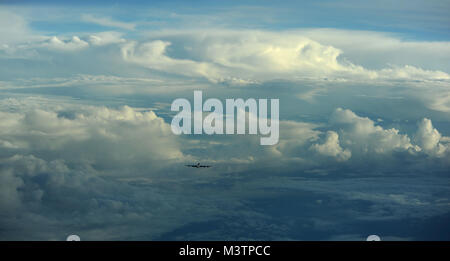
[75, 43]
[61, 166]
[237, 58]
[332, 148]
[153, 55]
[9, 193]
[14, 28]
[363, 136]
[105, 38]
[439, 101]
[352, 135]
[107, 21]
[429, 139]
[263, 56]
[409, 73]
[117, 172]
[69, 167]
[295, 136]
[246, 57]
[94, 137]
[49, 199]
[374, 50]
[253, 55]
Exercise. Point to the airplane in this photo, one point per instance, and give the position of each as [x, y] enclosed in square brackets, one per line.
[198, 166]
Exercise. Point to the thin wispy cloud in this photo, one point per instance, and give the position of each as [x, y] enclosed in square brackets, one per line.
[107, 22]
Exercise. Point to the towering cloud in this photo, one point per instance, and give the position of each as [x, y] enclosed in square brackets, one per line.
[332, 148]
[362, 135]
[428, 138]
[95, 137]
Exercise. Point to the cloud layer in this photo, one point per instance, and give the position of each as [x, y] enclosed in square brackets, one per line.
[86, 146]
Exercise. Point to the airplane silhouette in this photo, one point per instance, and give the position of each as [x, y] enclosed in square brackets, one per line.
[198, 166]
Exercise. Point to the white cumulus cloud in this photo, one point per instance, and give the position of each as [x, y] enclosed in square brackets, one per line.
[75, 43]
[361, 134]
[332, 148]
[429, 138]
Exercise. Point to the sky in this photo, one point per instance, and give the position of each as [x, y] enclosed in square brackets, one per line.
[86, 145]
